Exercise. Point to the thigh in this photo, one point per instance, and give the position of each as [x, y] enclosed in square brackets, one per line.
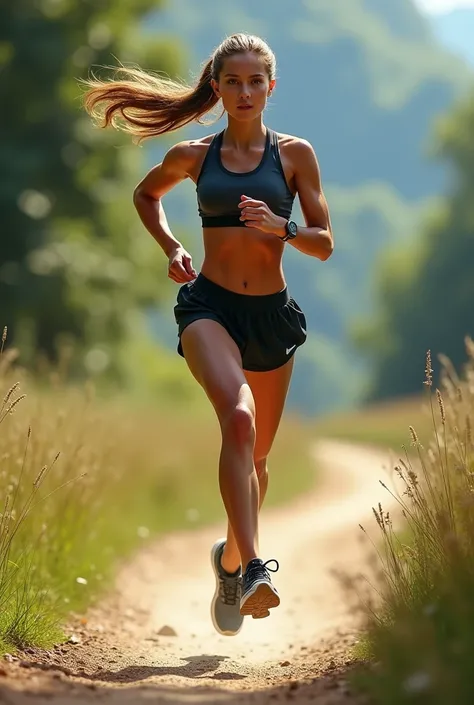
[215, 361]
[269, 391]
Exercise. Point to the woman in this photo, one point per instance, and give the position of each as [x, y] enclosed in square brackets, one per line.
[238, 327]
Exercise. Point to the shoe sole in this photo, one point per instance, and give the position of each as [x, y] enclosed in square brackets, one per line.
[218, 629]
[259, 602]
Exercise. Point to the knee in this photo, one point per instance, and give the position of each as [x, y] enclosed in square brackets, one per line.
[239, 423]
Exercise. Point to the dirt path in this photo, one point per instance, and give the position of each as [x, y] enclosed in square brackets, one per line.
[302, 650]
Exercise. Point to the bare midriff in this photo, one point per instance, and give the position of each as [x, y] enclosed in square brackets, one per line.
[244, 260]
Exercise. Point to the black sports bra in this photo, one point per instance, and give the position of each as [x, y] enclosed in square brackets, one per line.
[219, 190]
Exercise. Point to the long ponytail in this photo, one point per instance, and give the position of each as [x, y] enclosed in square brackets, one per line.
[145, 105]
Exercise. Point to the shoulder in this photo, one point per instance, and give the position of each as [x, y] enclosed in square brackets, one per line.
[184, 155]
[296, 147]
[188, 150]
[300, 155]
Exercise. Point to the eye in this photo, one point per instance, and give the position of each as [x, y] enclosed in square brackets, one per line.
[257, 80]
[231, 81]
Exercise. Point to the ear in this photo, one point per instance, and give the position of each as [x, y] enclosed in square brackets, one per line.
[215, 87]
[271, 87]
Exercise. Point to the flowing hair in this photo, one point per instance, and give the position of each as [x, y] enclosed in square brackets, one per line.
[147, 105]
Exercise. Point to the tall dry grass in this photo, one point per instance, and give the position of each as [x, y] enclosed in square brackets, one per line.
[85, 481]
[420, 630]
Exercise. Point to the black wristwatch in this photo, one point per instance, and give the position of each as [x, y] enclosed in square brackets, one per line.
[291, 231]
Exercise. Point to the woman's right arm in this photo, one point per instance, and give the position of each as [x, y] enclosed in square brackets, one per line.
[147, 196]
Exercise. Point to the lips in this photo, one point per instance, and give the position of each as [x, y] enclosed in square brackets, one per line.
[245, 107]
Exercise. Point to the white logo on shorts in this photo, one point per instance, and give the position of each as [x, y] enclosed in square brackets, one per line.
[288, 350]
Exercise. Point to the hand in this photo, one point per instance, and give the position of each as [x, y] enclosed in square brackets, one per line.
[256, 214]
[180, 268]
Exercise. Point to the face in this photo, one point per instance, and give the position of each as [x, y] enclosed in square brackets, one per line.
[244, 86]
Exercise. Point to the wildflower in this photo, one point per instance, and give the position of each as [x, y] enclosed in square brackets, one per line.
[414, 436]
[428, 370]
[441, 406]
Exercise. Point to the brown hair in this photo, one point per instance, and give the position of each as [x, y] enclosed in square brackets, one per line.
[150, 105]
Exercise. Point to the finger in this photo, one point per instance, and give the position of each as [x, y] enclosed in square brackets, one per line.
[188, 266]
[180, 279]
[175, 274]
[253, 216]
[253, 224]
[178, 268]
[253, 211]
[183, 275]
[251, 202]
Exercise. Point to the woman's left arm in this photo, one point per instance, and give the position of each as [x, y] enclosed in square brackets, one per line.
[316, 239]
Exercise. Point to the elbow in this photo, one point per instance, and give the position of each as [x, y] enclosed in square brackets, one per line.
[327, 248]
[137, 195]
[141, 197]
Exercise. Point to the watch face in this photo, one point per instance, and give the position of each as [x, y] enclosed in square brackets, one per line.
[292, 228]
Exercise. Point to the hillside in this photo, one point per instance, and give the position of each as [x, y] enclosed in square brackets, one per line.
[372, 64]
[363, 81]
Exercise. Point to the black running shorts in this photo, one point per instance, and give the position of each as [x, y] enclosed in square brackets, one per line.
[267, 329]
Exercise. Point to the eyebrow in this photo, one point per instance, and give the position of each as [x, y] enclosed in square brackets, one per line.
[236, 75]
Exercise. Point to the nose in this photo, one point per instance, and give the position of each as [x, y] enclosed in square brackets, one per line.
[245, 91]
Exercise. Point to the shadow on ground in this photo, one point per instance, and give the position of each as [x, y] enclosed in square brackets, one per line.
[47, 685]
[197, 667]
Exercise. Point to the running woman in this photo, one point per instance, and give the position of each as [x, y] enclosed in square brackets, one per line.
[238, 326]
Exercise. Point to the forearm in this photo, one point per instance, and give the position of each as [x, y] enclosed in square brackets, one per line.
[153, 217]
[315, 242]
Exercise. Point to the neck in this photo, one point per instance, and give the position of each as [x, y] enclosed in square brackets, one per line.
[244, 134]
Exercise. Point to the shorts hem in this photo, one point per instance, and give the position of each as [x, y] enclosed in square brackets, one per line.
[203, 317]
[260, 368]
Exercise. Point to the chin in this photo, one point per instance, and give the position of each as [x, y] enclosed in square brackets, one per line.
[246, 115]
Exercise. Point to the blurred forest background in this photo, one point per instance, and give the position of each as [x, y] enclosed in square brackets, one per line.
[384, 94]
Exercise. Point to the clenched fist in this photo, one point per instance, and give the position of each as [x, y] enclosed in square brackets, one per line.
[180, 268]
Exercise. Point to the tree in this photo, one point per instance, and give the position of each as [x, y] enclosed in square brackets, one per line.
[74, 260]
[426, 296]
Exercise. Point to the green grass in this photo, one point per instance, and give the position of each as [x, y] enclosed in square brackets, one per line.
[384, 424]
[419, 636]
[85, 482]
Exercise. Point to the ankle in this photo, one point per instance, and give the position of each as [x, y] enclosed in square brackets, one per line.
[230, 564]
[249, 559]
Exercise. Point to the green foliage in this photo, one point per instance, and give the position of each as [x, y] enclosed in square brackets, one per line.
[426, 295]
[74, 259]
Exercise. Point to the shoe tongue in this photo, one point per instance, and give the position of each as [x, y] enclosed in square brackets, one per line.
[254, 562]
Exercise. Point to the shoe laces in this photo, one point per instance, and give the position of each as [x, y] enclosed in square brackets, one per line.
[258, 570]
[229, 586]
